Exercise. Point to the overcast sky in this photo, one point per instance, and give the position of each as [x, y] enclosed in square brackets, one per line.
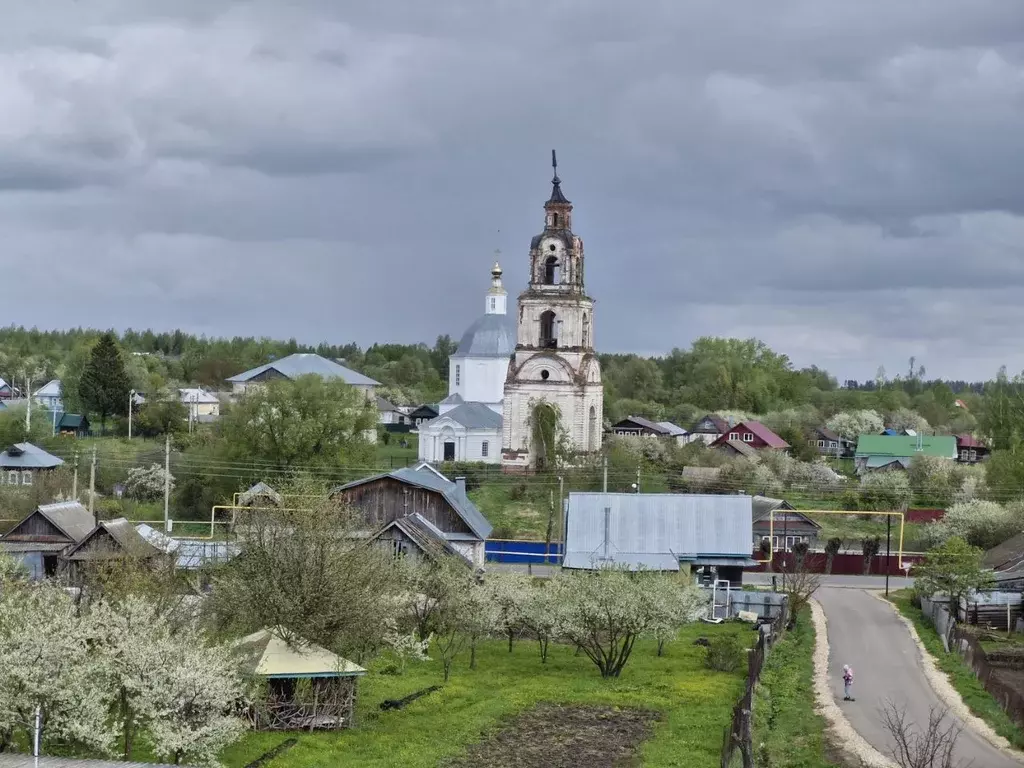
[843, 179]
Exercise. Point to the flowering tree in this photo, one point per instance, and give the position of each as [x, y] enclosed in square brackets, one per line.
[885, 491]
[45, 663]
[542, 614]
[146, 483]
[406, 646]
[671, 604]
[603, 612]
[481, 616]
[509, 591]
[853, 424]
[165, 680]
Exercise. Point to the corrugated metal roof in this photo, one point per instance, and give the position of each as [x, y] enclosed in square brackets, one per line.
[161, 541]
[681, 525]
[632, 561]
[943, 446]
[763, 506]
[270, 655]
[49, 389]
[877, 462]
[470, 416]
[196, 395]
[301, 364]
[673, 429]
[28, 456]
[969, 441]
[196, 553]
[756, 427]
[743, 449]
[256, 491]
[488, 336]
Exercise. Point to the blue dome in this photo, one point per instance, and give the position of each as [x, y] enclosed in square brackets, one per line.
[489, 336]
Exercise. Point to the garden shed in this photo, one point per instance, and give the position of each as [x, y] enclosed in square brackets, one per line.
[308, 687]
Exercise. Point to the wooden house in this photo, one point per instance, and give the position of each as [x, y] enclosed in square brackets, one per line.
[776, 519]
[21, 462]
[423, 491]
[41, 539]
[638, 426]
[423, 414]
[970, 450]
[828, 443]
[72, 424]
[708, 428]
[110, 540]
[755, 434]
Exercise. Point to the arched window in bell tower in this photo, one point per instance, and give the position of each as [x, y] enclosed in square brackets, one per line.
[554, 220]
[548, 330]
[551, 269]
[586, 331]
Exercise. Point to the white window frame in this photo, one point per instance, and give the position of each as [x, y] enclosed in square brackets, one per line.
[458, 375]
[494, 303]
[748, 437]
[13, 477]
[484, 448]
[26, 477]
[974, 454]
[964, 454]
[821, 443]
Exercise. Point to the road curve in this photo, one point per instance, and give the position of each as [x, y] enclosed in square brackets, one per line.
[866, 633]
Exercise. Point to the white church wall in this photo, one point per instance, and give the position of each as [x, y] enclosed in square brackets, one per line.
[469, 444]
[478, 379]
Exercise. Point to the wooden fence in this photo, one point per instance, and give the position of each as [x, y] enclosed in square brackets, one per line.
[738, 735]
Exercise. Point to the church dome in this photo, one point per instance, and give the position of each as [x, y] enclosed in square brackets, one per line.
[489, 336]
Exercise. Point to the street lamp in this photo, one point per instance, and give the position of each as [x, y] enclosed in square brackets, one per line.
[131, 404]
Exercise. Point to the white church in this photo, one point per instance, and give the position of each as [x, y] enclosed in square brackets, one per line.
[497, 377]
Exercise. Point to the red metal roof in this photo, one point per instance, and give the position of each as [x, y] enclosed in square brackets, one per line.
[755, 427]
[969, 441]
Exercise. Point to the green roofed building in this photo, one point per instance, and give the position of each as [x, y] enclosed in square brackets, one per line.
[889, 452]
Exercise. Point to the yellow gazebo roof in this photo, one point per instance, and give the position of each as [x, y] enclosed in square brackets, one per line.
[273, 656]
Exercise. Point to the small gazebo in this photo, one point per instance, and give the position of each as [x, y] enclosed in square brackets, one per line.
[307, 687]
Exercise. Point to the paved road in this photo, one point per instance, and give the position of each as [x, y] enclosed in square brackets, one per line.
[864, 582]
[867, 634]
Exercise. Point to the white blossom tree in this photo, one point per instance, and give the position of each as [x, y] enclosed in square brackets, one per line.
[146, 483]
[45, 662]
[671, 604]
[166, 681]
[509, 591]
[603, 612]
[853, 424]
[542, 614]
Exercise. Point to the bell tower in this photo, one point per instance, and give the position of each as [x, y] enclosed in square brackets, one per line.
[554, 361]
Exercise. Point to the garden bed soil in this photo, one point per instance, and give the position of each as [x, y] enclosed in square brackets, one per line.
[552, 736]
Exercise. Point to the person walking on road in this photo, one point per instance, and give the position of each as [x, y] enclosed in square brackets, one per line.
[848, 683]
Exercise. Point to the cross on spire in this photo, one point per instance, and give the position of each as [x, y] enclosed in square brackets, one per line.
[556, 183]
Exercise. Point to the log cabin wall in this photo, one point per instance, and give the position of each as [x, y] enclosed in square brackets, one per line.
[386, 499]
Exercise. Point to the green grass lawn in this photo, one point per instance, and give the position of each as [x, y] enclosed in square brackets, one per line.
[852, 529]
[788, 732]
[392, 455]
[978, 700]
[695, 704]
[514, 509]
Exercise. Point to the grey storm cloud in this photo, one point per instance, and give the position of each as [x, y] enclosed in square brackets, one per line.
[839, 179]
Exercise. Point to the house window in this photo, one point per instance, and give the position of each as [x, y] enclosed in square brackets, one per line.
[484, 448]
[493, 304]
[964, 454]
[974, 455]
[831, 443]
[26, 478]
[734, 435]
[458, 374]
[12, 478]
[748, 437]
[821, 443]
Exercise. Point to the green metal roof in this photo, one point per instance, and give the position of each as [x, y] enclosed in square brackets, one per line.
[906, 446]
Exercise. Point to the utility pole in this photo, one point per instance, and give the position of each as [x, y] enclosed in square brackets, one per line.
[167, 484]
[92, 485]
[28, 403]
[131, 402]
[888, 544]
[74, 482]
[561, 511]
[604, 487]
[638, 478]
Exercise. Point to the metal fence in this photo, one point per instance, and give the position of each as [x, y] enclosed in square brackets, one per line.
[738, 737]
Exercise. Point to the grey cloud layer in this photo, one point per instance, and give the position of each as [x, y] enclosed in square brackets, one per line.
[837, 178]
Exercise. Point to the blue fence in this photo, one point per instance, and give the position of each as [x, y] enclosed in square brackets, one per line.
[511, 551]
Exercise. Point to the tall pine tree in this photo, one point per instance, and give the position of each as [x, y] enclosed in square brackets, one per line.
[104, 385]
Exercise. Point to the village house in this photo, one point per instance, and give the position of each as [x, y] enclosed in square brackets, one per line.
[882, 453]
[704, 535]
[22, 462]
[828, 443]
[441, 506]
[752, 433]
[203, 406]
[302, 364]
[50, 396]
[49, 531]
[422, 414]
[708, 429]
[71, 424]
[970, 450]
[776, 520]
[6, 391]
[394, 418]
[638, 426]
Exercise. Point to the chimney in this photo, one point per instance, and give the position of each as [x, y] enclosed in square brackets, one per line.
[460, 485]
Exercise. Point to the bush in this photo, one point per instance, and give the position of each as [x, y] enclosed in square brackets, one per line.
[146, 483]
[980, 523]
[723, 653]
